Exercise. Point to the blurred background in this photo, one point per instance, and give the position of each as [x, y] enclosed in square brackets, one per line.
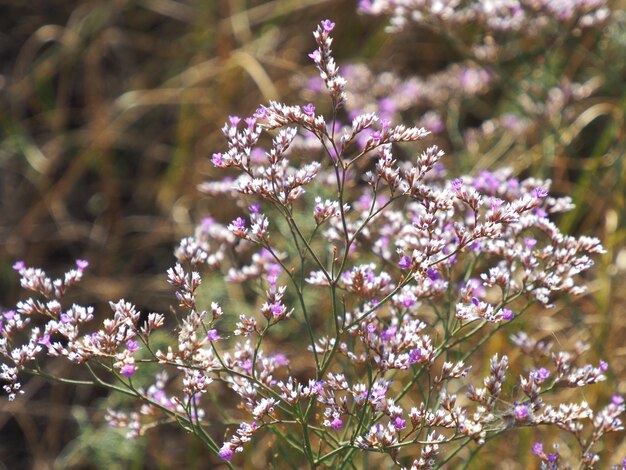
[109, 111]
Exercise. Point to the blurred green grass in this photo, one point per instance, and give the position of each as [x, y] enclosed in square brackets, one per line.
[109, 109]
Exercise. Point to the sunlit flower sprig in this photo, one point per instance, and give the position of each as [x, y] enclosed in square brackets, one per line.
[374, 282]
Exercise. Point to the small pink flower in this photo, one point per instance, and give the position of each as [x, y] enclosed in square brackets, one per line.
[507, 314]
[128, 370]
[132, 346]
[405, 262]
[82, 264]
[521, 412]
[19, 265]
[327, 25]
[336, 424]
[399, 423]
[226, 452]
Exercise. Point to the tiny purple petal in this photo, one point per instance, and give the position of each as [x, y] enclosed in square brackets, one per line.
[217, 160]
[315, 55]
[261, 113]
[336, 424]
[212, 335]
[543, 373]
[521, 412]
[415, 355]
[280, 359]
[19, 265]
[538, 449]
[327, 25]
[530, 243]
[234, 120]
[82, 264]
[433, 274]
[128, 370]
[132, 346]
[507, 314]
[388, 334]
[399, 423]
[405, 262]
[617, 400]
[226, 453]
[539, 193]
[44, 340]
[603, 366]
[309, 109]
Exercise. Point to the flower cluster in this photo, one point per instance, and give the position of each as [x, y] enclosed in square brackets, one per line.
[365, 301]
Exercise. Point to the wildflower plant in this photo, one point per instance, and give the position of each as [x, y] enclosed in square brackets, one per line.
[373, 280]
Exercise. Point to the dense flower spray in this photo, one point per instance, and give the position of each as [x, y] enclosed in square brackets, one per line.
[376, 280]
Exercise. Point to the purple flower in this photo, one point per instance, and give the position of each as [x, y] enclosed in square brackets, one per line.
[277, 309]
[309, 109]
[496, 203]
[261, 112]
[507, 314]
[128, 370]
[315, 55]
[530, 243]
[234, 120]
[415, 355]
[538, 449]
[254, 208]
[433, 274]
[212, 335]
[521, 412]
[250, 121]
[280, 359]
[218, 160]
[399, 423]
[239, 223]
[405, 262]
[132, 346]
[617, 400]
[539, 193]
[82, 264]
[19, 265]
[388, 334]
[603, 366]
[457, 184]
[540, 375]
[226, 452]
[327, 25]
[408, 301]
[318, 387]
[336, 424]
[44, 340]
